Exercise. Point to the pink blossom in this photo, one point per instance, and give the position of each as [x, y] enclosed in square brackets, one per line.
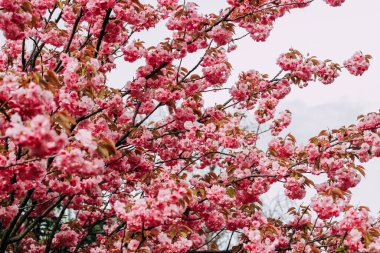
[327, 206]
[335, 2]
[215, 221]
[133, 244]
[220, 35]
[32, 101]
[294, 188]
[171, 3]
[73, 162]
[65, 239]
[147, 162]
[38, 137]
[357, 64]
[133, 51]
[282, 122]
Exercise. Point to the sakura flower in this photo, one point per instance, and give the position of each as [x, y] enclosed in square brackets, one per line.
[221, 35]
[32, 101]
[37, 136]
[357, 64]
[335, 2]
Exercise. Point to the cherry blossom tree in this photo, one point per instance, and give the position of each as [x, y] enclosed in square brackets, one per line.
[86, 167]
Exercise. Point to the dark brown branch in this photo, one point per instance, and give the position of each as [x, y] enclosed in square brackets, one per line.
[34, 57]
[19, 163]
[23, 56]
[85, 117]
[21, 220]
[213, 25]
[157, 70]
[67, 48]
[197, 65]
[117, 229]
[74, 31]
[270, 8]
[206, 243]
[124, 42]
[36, 221]
[56, 225]
[103, 31]
[8, 230]
[125, 136]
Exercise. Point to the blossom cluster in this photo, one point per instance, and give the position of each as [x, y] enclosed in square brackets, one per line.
[357, 64]
[144, 165]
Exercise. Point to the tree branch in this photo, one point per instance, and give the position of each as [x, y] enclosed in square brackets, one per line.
[4, 240]
[67, 48]
[56, 225]
[36, 221]
[102, 32]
